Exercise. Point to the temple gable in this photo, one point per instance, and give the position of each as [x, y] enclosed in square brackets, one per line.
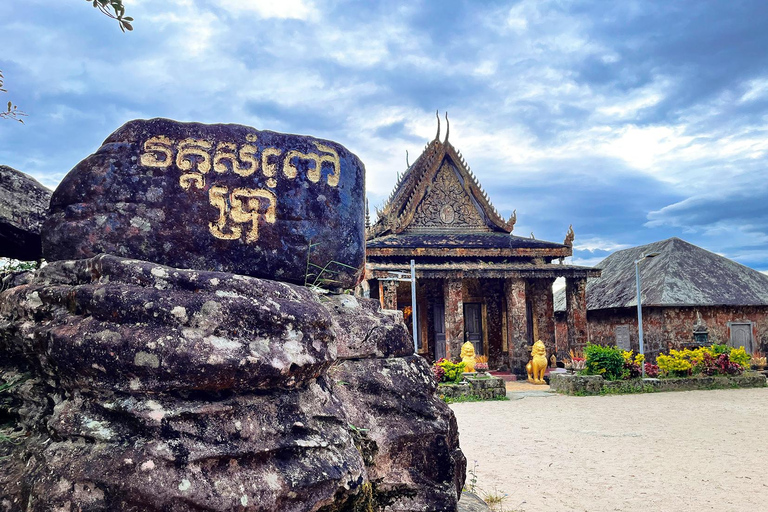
[447, 206]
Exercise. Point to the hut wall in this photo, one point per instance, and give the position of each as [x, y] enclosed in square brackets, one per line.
[671, 327]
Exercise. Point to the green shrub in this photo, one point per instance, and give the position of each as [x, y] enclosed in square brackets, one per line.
[605, 361]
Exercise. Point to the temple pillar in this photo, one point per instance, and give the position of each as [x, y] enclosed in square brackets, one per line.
[542, 301]
[454, 318]
[388, 294]
[517, 325]
[576, 312]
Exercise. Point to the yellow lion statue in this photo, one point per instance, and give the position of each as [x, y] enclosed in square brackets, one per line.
[538, 363]
[468, 356]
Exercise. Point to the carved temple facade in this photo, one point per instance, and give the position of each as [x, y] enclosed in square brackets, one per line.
[475, 280]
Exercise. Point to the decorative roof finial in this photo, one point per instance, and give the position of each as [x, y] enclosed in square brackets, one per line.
[532, 237]
[569, 237]
[512, 220]
[367, 216]
[407, 163]
[447, 127]
[437, 115]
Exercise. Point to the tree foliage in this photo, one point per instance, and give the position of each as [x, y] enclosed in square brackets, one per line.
[114, 9]
[111, 8]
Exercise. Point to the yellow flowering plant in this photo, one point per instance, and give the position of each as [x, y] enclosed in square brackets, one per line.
[712, 360]
[675, 364]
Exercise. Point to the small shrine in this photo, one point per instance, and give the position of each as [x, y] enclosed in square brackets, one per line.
[475, 280]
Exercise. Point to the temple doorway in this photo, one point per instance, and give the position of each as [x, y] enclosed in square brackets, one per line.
[473, 326]
[439, 325]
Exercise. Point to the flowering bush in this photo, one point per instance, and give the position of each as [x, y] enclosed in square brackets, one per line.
[633, 365]
[481, 367]
[439, 372]
[713, 360]
[676, 364]
[448, 371]
[720, 365]
[740, 357]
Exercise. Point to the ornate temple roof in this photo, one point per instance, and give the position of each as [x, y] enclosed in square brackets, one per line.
[455, 199]
[439, 205]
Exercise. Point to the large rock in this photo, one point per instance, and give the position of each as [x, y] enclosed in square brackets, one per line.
[412, 451]
[151, 388]
[23, 204]
[216, 197]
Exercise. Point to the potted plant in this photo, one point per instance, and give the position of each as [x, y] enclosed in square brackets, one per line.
[481, 364]
[758, 361]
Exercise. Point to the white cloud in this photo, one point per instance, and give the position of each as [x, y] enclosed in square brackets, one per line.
[756, 89]
[266, 9]
[598, 244]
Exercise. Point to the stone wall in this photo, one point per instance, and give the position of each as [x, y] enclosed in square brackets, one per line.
[484, 388]
[594, 384]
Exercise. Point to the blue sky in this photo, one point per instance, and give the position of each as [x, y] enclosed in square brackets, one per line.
[633, 121]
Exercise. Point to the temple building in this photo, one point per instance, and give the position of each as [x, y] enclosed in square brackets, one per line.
[475, 280]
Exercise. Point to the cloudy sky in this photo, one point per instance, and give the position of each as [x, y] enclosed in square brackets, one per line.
[633, 121]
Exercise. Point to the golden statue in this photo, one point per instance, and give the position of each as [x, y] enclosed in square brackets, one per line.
[538, 363]
[468, 356]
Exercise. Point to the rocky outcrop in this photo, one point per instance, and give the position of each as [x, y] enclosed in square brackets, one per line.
[216, 197]
[23, 204]
[142, 387]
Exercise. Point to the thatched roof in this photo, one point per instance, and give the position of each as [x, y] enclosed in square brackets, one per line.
[681, 275]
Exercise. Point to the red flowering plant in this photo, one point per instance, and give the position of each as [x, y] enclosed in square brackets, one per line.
[720, 365]
[439, 371]
[651, 370]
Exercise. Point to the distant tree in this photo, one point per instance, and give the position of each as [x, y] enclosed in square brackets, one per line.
[111, 8]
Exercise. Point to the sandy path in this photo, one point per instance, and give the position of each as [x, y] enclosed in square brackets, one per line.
[693, 450]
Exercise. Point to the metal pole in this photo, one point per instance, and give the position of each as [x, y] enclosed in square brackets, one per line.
[639, 314]
[413, 306]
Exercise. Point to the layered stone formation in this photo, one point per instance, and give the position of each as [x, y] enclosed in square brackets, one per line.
[165, 389]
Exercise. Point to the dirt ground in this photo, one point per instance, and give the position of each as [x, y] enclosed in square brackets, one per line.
[678, 451]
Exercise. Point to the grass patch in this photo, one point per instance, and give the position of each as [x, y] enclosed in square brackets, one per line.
[626, 388]
[472, 398]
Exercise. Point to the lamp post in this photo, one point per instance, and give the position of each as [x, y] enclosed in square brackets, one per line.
[401, 276]
[640, 306]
